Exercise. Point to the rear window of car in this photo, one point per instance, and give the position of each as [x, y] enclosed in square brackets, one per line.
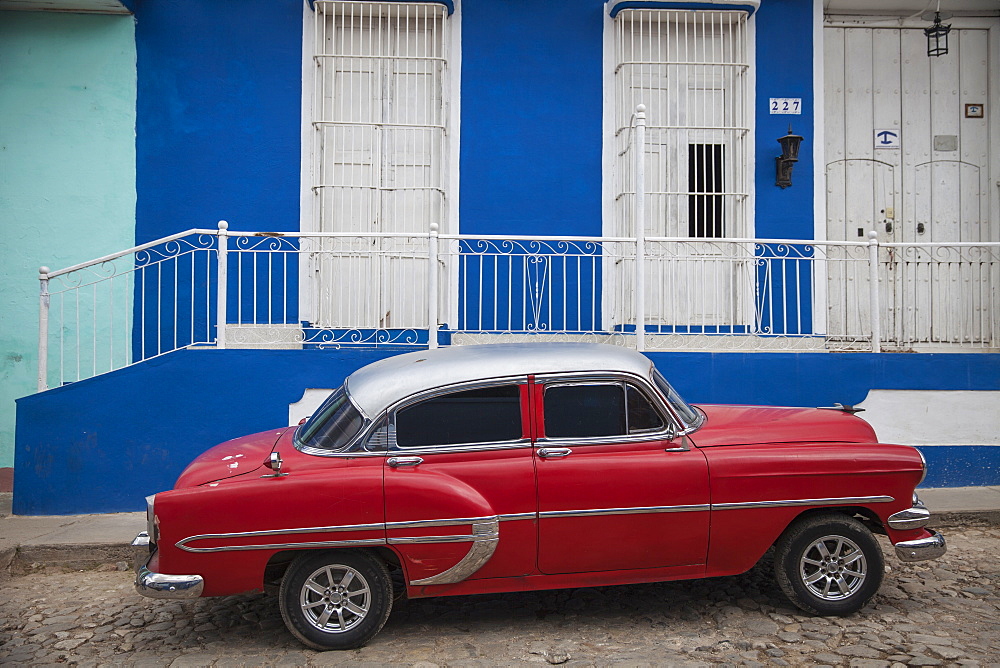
[333, 425]
[482, 415]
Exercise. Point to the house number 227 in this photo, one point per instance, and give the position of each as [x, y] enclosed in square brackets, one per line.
[786, 105]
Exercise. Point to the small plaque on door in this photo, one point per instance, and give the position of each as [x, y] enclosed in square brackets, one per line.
[945, 142]
[887, 137]
[974, 110]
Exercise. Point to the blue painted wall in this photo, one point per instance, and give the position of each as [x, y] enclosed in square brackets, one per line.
[531, 117]
[101, 446]
[784, 65]
[218, 115]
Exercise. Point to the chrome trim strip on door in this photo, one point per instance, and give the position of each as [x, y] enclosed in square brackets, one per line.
[458, 538]
[414, 524]
[835, 501]
[183, 544]
[624, 511]
[364, 542]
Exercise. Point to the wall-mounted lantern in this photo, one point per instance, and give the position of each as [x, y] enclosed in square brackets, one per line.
[937, 34]
[789, 156]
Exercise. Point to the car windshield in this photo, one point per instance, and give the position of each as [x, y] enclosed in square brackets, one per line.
[687, 413]
[333, 425]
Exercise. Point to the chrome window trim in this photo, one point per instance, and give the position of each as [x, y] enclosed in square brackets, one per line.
[672, 427]
[393, 446]
[604, 440]
[685, 427]
[832, 501]
[347, 455]
[524, 443]
[366, 424]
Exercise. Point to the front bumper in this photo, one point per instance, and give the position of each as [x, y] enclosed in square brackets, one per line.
[921, 549]
[158, 585]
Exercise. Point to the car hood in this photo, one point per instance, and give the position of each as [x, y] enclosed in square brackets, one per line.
[735, 425]
[229, 459]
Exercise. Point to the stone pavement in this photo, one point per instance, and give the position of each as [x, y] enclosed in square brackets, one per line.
[938, 613]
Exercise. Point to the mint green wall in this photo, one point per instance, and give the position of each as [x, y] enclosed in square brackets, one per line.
[67, 168]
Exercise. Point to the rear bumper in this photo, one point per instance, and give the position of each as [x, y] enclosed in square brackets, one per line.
[921, 549]
[159, 585]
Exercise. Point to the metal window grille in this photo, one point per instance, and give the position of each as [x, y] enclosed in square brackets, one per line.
[380, 130]
[690, 70]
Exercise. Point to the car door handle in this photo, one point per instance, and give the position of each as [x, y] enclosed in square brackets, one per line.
[396, 462]
[554, 453]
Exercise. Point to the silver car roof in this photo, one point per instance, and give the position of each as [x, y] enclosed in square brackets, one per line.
[379, 385]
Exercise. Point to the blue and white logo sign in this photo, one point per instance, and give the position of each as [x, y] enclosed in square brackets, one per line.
[887, 138]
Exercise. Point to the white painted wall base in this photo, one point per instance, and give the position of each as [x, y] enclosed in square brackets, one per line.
[932, 417]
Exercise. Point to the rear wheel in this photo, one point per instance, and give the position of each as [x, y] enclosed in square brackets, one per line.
[829, 564]
[335, 600]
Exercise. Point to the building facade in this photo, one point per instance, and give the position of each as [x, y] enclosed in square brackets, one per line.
[395, 175]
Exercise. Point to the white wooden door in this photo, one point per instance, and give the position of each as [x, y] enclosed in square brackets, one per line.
[928, 183]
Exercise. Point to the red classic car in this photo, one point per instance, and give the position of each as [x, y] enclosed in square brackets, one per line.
[504, 468]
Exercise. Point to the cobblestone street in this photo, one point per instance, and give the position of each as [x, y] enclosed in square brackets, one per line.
[943, 612]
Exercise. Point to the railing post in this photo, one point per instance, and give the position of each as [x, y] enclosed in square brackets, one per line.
[43, 329]
[223, 282]
[432, 287]
[873, 300]
[639, 212]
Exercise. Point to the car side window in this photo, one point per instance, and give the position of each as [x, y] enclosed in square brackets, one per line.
[482, 415]
[642, 415]
[598, 410]
[584, 411]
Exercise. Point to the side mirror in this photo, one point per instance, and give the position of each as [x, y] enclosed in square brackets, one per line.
[274, 463]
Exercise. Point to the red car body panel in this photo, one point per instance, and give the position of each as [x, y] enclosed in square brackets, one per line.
[799, 471]
[230, 459]
[618, 477]
[453, 485]
[739, 425]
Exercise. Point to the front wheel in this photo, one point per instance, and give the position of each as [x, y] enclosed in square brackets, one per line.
[335, 600]
[828, 564]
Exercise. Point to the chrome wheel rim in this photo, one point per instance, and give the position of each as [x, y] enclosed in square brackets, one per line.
[833, 568]
[335, 598]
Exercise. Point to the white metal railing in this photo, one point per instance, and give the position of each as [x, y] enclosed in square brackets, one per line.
[226, 288]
